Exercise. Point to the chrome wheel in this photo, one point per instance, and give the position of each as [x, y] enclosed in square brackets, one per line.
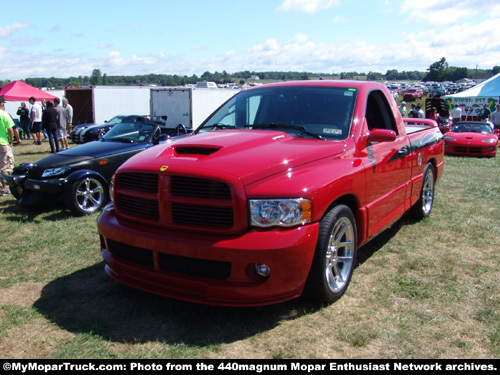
[423, 207]
[86, 196]
[340, 255]
[89, 195]
[428, 192]
[335, 256]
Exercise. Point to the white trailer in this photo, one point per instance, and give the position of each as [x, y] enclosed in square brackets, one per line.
[96, 104]
[189, 106]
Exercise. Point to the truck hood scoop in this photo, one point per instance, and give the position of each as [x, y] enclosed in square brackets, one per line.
[192, 150]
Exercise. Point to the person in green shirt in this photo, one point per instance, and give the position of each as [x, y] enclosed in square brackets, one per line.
[6, 141]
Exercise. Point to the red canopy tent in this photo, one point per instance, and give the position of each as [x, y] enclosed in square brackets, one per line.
[18, 91]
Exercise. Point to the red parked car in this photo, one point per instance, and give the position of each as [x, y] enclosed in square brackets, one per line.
[472, 138]
[413, 94]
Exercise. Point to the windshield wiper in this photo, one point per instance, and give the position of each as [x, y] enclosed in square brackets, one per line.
[219, 126]
[302, 129]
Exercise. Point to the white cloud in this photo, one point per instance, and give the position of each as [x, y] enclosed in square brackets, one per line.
[6, 31]
[450, 11]
[307, 6]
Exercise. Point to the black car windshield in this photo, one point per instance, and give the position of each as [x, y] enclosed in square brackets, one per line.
[302, 111]
[116, 120]
[129, 132]
[473, 128]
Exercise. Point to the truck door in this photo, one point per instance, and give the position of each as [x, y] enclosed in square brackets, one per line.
[388, 167]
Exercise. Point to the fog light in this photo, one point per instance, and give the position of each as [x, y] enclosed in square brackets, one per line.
[262, 270]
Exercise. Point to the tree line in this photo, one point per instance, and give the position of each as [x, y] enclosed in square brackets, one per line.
[438, 71]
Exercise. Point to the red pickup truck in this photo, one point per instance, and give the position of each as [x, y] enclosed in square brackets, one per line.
[272, 196]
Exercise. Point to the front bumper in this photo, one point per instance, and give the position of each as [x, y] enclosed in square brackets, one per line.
[470, 150]
[35, 192]
[208, 269]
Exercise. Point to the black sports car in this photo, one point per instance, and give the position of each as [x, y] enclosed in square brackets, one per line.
[92, 132]
[80, 176]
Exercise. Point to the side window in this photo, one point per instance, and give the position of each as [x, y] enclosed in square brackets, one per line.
[378, 112]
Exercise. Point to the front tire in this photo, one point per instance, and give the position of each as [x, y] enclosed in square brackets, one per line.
[335, 256]
[86, 196]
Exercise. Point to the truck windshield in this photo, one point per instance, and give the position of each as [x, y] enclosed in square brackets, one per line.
[302, 111]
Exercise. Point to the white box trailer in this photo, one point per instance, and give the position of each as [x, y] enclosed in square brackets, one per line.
[189, 106]
[97, 104]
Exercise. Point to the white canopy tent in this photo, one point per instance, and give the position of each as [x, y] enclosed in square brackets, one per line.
[471, 101]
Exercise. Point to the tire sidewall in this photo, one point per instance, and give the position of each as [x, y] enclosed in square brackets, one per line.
[317, 284]
[69, 196]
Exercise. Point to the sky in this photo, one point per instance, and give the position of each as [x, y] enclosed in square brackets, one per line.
[186, 37]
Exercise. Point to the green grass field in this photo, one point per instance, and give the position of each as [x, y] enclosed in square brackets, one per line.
[420, 290]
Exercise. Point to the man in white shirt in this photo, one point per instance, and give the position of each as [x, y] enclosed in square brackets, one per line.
[456, 113]
[36, 121]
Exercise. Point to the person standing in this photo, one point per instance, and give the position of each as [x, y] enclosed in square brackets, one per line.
[402, 108]
[24, 117]
[434, 114]
[61, 124]
[68, 115]
[36, 121]
[6, 142]
[420, 111]
[50, 121]
[495, 118]
[485, 113]
[456, 112]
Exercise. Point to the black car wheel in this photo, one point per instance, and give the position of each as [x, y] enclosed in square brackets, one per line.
[86, 196]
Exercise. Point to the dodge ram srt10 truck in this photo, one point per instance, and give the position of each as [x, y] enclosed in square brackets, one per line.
[272, 196]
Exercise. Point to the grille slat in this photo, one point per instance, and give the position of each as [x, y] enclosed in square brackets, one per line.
[145, 182]
[199, 188]
[205, 268]
[145, 208]
[202, 216]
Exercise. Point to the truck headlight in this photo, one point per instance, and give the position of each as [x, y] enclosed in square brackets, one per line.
[51, 172]
[280, 212]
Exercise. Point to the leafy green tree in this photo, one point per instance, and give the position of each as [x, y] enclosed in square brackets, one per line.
[96, 77]
[437, 71]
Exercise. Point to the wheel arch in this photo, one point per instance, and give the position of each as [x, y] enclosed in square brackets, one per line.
[351, 201]
[75, 176]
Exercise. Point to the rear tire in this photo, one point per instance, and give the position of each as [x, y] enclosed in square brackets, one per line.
[423, 207]
[335, 256]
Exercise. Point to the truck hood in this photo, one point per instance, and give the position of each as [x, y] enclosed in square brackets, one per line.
[250, 155]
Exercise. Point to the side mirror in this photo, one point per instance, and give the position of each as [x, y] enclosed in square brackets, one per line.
[162, 139]
[497, 132]
[382, 135]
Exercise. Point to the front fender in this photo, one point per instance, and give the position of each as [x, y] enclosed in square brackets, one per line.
[77, 175]
[22, 169]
